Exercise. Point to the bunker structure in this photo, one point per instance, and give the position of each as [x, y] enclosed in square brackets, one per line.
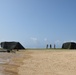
[69, 45]
[11, 45]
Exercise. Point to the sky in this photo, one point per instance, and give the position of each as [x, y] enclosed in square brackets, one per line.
[35, 23]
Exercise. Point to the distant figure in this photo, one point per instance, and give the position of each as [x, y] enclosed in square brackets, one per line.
[50, 46]
[47, 46]
[54, 46]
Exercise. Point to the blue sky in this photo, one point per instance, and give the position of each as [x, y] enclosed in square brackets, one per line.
[35, 23]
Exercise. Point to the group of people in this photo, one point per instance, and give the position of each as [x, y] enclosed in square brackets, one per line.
[47, 46]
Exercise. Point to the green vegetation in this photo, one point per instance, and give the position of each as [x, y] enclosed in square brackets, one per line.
[43, 49]
[47, 49]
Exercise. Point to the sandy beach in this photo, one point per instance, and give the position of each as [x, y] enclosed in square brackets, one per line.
[38, 62]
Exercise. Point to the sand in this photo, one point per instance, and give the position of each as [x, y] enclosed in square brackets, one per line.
[49, 63]
[39, 62]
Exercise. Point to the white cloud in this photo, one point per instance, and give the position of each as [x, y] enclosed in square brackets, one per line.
[34, 42]
[73, 41]
[45, 39]
[34, 39]
[57, 42]
[70, 41]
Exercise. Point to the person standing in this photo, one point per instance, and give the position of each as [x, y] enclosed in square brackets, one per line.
[50, 46]
[47, 46]
[54, 46]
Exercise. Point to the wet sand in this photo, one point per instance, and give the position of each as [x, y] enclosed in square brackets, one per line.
[38, 62]
[10, 62]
